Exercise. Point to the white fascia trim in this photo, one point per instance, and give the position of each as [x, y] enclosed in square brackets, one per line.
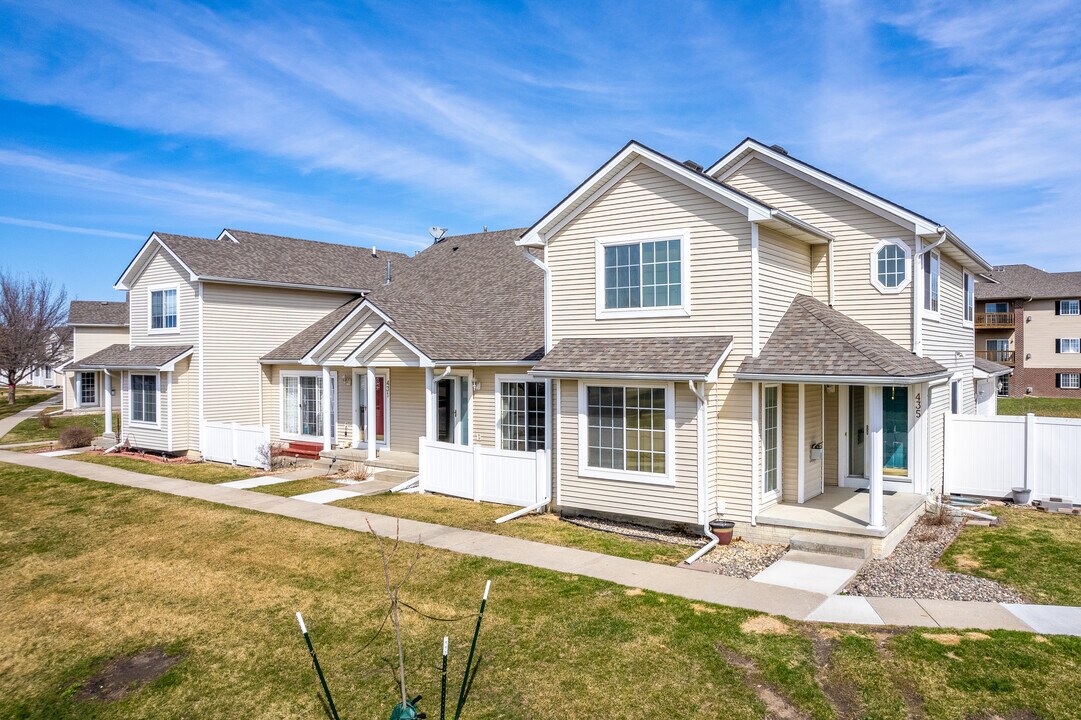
[838, 379]
[171, 365]
[802, 226]
[375, 337]
[715, 370]
[344, 327]
[97, 325]
[641, 155]
[543, 265]
[226, 235]
[880, 207]
[269, 283]
[164, 367]
[485, 363]
[135, 267]
[648, 377]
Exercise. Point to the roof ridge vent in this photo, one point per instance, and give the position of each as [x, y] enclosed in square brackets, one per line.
[779, 149]
[693, 165]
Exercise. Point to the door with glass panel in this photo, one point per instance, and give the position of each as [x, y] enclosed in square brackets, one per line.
[452, 409]
[998, 349]
[771, 439]
[302, 406]
[360, 411]
[895, 431]
[857, 432]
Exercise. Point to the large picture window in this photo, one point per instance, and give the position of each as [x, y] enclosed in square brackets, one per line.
[144, 399]
[644, 275]
[163, 309]
[522, 415]
[302, 405]
[626, 428]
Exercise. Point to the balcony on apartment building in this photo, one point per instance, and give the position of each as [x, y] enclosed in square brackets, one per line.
[990, 320]
[1002, 357]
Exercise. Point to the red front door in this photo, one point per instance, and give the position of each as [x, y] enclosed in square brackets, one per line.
[380, 424]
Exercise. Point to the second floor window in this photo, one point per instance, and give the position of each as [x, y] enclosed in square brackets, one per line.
[970, 297]
[996, 307]
[931, 267]
[163, 309]
[1068, 345]
[643, 275]
[1068, 307]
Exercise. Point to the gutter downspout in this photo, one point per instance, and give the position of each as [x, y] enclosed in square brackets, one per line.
[702, 435]
[713, 540]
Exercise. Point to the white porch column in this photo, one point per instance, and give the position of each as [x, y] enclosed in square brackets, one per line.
[801, 439]
[874, 439]
[107, 387]
[326, 408]
[429, 403]
[369, 433]
[756, 435]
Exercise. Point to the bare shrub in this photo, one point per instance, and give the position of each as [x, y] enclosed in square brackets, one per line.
[76, 436]
[940, 514]
[45, 419]
[360, 473]
[272, 456]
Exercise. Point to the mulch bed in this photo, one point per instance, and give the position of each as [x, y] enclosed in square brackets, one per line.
[149, 457]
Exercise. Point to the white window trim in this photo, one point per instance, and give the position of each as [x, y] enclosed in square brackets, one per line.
[966, 279]
[927, 312]
[157, 402]
[668, 478]
[282, 434]
[79, 389]
[1072, 340]
[1069, 387]
[150, 330]
[773, 495]
[499, 380]
[681, 310]
[1070, 300]
[908, 266]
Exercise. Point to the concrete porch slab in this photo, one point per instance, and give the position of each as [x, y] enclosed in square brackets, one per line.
[805, 576]
[846, 609]
[843, 510]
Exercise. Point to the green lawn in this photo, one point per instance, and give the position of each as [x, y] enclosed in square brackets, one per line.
[24, 398]
[93, 571]
[29, 431]
[298, 487]
[1048, 407]
[1037, 553]
[547, 528]
[207, 472]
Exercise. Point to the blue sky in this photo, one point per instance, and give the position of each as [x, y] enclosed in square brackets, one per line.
[369, 122]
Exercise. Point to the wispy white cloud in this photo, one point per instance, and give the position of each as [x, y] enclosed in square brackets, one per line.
[72, 229]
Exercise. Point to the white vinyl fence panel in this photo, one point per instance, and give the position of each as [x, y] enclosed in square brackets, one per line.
[508, 477]
[989, 456]
[235, 444]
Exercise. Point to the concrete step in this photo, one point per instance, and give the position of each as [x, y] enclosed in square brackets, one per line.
[831, 544]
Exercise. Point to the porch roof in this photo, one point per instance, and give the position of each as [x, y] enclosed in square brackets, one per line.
[144, 357]
[815, 342]
[695, 358]
[990, 368]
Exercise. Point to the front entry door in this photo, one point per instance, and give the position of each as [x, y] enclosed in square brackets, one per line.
[452, 409]
[360, 412]
[857, 432]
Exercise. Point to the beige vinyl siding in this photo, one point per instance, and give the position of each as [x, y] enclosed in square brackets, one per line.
[646, 201]
[393, 353]
[936, 416]
[89, 340]
[820, 273]
[185, 417]
[730, 425]
[831, 464]
[346, 345]
[485, 412]
[944, 337]
[163, 271]
[678, 504]
[241, 324]
[790, 448]
[344, 418]
[857, 232]
[784, 272]
[406, 409]
[1043, 330]
[813, 432]
[68, 387]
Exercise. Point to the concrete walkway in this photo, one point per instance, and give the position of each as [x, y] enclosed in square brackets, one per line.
[705, 587]
[8, 424]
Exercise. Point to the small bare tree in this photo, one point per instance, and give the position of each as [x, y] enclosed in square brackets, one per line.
[32, 310]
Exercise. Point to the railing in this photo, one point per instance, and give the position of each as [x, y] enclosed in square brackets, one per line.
[994, 320]
[1002, 357]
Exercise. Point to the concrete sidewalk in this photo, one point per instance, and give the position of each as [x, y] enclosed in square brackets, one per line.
[8, 424]
[705, 587]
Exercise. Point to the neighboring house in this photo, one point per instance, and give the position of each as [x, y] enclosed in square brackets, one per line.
[201, 314]
[48, 376]
[1031, 320]
[94, 325]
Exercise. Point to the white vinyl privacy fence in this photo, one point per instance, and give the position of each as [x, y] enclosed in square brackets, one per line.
[989, 456]
[509, 477]
[235, 444]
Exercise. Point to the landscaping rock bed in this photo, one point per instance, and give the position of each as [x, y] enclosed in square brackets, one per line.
[675, 537]
[909, 572]
[742, 559]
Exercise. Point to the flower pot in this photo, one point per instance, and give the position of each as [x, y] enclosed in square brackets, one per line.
[1021, 495]
[723, 529]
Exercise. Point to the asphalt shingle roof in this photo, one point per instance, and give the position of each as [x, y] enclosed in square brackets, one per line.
[256, 257]
[990, 367]
[695, 355]
[814, 339]
[122, 356]
[98, 312]
[472, 298]
[1025, 281]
